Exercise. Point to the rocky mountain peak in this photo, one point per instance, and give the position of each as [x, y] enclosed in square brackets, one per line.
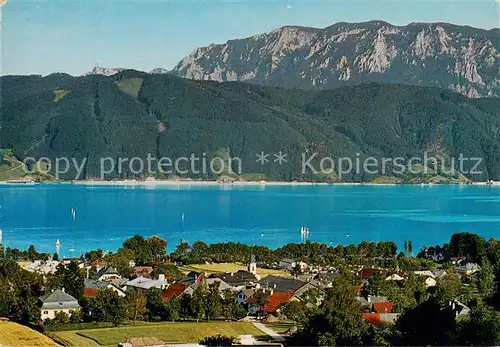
[443, 55]
[106, 71]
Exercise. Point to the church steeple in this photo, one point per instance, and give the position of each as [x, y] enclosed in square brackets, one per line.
[252, 266]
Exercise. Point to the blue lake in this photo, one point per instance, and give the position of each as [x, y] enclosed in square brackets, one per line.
[267, 215]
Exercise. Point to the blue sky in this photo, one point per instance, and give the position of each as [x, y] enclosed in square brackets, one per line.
[41, 37]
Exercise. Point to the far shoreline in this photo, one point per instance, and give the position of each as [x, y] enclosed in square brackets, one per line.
[187, 182]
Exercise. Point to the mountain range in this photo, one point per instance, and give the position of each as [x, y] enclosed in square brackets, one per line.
[131, 113]
[460, 58]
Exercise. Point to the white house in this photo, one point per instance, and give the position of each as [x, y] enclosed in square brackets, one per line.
[143, 283]
[108, 274]
[394, 277]
[57, 301]
[430, 282]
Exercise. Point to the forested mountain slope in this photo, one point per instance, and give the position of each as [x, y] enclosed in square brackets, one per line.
[131, 114]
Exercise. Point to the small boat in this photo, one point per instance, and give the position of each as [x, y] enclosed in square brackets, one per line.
[73, 213]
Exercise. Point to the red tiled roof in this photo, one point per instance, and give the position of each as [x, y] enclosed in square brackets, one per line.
[366, 273]
[276, 299]
[383, 307]
[372, 318]
[173, 290]
[90, 292]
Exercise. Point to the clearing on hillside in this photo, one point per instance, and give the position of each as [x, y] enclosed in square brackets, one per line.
[13, 334]
[130, 86]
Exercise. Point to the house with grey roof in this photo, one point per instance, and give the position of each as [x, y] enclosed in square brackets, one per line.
[281, 284]
[144, 284]
[238, 280]
[467, 269]
[207, 281]
[107, 273]
[324, 279]
[439, 273]
[57, 301]
[91, 287]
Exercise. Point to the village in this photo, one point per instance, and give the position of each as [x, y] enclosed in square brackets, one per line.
[276, 300]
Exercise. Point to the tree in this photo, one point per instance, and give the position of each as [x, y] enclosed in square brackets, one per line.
[213, 301]
[155, 305]
[94, 255]
[32, 253]
[107, 306]
[376, 285]
[199, 301]
[76, 317]
[181, 251]
[482, 328]
[121, 261]
[69, 277]
[61, 318]
[467, 245]
[217, 341]
[136, 303]
[230, 309]
[173, 309]
[386, 249]
[447, 288]
[493, 253]
[293, 310]
[261, 299]
[169, 270]
[19, 290]
[436, 329]
[338, 320]
[157, 248]
[186, 306]
[313, 296]
[485, 278]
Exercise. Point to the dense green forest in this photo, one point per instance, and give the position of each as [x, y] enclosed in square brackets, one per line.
[132, 114]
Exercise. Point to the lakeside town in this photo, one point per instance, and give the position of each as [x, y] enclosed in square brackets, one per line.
[230, 293]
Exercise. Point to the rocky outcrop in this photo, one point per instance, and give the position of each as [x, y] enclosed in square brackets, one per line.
[460, 58]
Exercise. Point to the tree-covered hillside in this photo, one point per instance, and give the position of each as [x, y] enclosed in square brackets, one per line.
[132, 114]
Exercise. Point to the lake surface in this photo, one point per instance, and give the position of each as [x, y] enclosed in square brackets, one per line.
[267, 215]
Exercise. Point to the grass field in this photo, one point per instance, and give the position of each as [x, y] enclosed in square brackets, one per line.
[71, 338]
[13, 334]
[281, 327]
[167, 332]
[13, 169]
[229, 267]
[130, 86]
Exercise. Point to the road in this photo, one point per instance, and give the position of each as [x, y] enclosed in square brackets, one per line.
[276, 337]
